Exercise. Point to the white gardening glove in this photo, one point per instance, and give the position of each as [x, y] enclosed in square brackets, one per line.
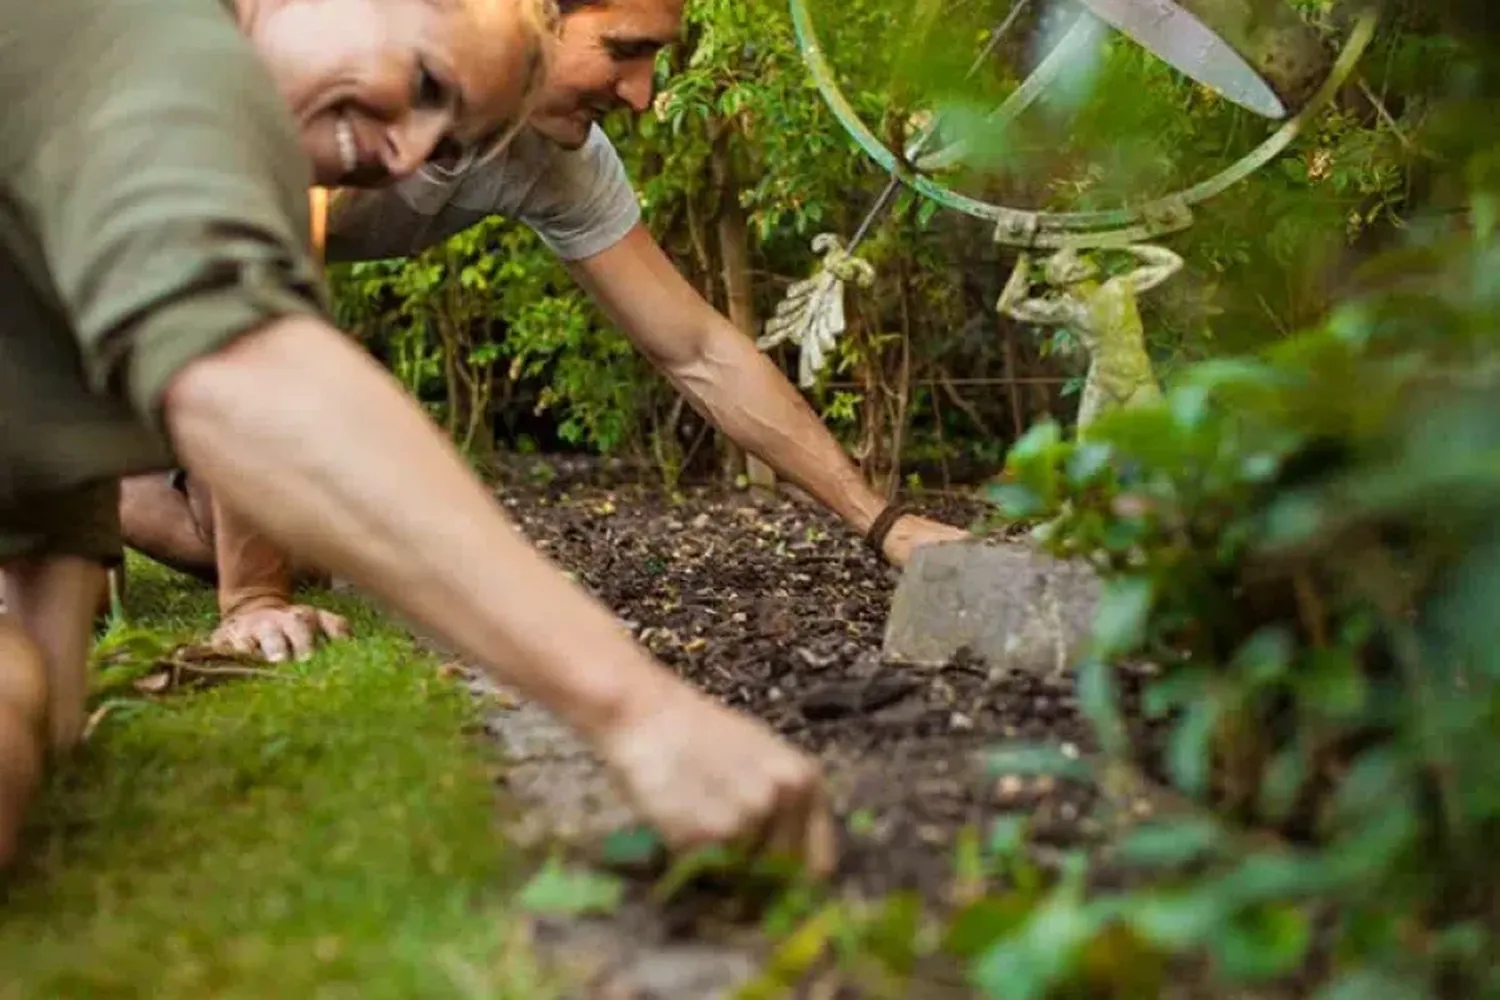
[812, 314]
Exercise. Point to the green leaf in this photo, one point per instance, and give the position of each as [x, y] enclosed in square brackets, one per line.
[794, 956]
[1123, 534]
[1099, 701]
[1283, 782]
[969, 868]
[1242, 376]
[1262, 943]
[1366, 851]
[1015, 500]
[1274, 876]
[563, 891]
[1466, 942]
[1120, 621]
[1333, 684]
[1364, 931]
[715, 860]
[1180, 686]
[1177, 920]
[892, 936]
[633, 848]
[1040, 442]
[1007, 837]
[1026, 965]
[1374, 984]
[1291, 521]
[1189, 406]
[1260, 467]
[976, 927]
[1373, 784]
[1267, 655]
[1190, 745]
[1088, 462]
[1029, 759]
[1171, 843]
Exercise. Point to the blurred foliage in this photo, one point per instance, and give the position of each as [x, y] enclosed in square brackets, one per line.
[1305, 542]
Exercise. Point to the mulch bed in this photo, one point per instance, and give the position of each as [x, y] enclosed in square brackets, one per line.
[776, 608]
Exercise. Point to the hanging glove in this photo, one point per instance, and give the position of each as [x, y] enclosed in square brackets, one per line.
[812, 313]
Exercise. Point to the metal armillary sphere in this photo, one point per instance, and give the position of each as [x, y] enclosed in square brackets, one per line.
[1101, 311]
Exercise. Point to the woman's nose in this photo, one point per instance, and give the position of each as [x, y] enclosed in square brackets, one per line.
[410, 142]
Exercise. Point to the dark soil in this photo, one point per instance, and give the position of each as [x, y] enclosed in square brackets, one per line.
[772, 605]
[775, 607]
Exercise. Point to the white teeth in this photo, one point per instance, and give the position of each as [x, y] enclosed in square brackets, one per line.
[348, 149]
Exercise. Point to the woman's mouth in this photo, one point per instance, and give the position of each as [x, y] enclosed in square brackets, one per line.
[348, 147]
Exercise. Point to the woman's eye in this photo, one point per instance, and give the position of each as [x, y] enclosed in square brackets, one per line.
[431, 92]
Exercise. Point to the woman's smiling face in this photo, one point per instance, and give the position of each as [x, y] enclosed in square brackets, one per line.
[377, 86]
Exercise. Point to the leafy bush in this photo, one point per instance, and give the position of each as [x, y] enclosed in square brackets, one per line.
[487, 310]
[1306, 546]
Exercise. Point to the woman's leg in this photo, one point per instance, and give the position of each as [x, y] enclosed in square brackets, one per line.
[23, 728]
[53, 599]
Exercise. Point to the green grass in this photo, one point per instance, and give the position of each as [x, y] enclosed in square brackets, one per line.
[330, 833]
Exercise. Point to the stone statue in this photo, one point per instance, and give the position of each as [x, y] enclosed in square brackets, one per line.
[1103, 314]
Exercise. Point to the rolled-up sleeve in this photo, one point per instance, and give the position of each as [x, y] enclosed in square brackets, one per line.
[165, 190]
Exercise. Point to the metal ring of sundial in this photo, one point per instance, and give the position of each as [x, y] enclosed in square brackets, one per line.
[1055, 230]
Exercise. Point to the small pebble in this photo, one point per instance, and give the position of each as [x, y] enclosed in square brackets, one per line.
[1009, 788]
[960, 722]
[1070, 751]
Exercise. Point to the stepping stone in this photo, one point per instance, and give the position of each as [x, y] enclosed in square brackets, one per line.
[1008, 604]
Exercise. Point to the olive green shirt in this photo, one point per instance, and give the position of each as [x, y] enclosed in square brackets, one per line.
[153, 206]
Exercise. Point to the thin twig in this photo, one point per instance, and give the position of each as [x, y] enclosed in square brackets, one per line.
[967, 408]
[1384, 113]
[210, 671]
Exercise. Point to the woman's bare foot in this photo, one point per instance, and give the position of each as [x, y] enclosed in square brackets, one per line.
[23, 731]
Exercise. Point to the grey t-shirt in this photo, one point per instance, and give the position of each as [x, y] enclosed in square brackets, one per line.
[579, 202]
